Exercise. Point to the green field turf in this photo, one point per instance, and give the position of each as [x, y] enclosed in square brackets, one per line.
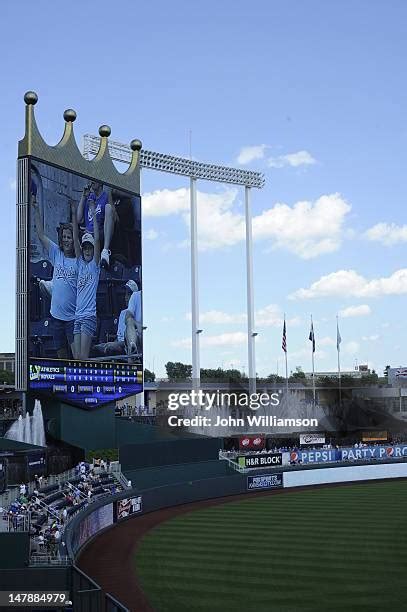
[320, 550]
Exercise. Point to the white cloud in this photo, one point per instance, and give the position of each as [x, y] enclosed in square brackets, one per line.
[300, 158]
[351, 348]
[12, 184]
[307, 229]
[355, 311]
[372, 338]
[305, 353]
[182, 343]
[164, 202]
[269, 316]
[326, 341]
[217, 317]
[151, 234]
[218, 225]
[348, 283]
[248, 154]
[387, 233]
[228, 339]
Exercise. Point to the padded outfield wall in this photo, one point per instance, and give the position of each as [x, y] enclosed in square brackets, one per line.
[105, 514]
[168, 452]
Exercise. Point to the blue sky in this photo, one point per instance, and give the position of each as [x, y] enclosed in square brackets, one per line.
[311, 93]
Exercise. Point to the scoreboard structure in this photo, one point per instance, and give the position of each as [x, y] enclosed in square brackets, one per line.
[79, 324]
[85, 383]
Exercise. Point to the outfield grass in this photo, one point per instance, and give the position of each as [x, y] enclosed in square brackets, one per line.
[320, 550]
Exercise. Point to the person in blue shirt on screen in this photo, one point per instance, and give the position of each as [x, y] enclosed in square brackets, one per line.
[64, 279]
[88, 254]
[129, 326]
[93, 193]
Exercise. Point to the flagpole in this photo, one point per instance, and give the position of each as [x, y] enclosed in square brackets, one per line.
[338, 341]
[313, 364]
[284, 347]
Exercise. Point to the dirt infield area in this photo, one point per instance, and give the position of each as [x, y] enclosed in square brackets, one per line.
[109, 558]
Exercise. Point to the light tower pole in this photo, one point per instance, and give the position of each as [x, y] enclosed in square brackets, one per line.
[208, 172]
[196, 370]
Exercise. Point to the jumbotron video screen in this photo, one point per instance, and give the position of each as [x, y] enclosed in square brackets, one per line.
[85, 343]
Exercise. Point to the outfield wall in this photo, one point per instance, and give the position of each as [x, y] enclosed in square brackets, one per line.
[102, 515]
[352, 473]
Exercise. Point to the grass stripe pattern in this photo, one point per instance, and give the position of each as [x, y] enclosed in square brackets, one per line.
[320, 550]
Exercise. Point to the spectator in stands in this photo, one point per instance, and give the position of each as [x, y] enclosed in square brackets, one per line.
[129, 329]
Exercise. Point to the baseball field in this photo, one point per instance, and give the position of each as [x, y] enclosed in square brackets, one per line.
[341, 548]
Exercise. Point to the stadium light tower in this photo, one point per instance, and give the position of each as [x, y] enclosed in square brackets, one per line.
[195, 170]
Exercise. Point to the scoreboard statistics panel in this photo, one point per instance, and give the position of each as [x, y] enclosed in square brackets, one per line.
[85, 341]
[86, 383]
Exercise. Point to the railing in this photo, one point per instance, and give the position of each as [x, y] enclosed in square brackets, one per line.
[235, 466]
[77, 492]
[41, 560]
[9, 496]
[88, 595]
[48, 509]
[13, 493]
[14, 523]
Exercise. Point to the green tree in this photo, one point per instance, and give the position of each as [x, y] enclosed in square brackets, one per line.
[220, 375]
[297, 376]
[328, 381]
[6, 377]
[148, 376]
[274, 378]
[178, 371]
[370, 379]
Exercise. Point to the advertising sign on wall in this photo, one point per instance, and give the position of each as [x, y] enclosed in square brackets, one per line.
[97, 520]
[85, 296]
[268, 481]
[127, 507]
[312, 438]
[252, 442]
[260, 461]
[374, 452]
[397, 376]
[315, 456]
[374, 436]
[36, 464]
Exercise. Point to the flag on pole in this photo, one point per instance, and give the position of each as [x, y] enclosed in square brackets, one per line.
[312, 336]
[338, 336]
[284, 340]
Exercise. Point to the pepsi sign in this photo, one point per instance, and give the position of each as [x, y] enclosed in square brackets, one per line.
[374, 452]
[315, 456]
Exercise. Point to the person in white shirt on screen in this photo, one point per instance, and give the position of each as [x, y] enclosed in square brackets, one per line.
[88, 255]
[64, 278]
[129, 328]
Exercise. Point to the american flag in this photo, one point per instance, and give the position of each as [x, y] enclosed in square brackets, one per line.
[284, 340]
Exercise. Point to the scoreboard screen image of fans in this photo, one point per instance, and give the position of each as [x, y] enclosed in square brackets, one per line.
[85, 342]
